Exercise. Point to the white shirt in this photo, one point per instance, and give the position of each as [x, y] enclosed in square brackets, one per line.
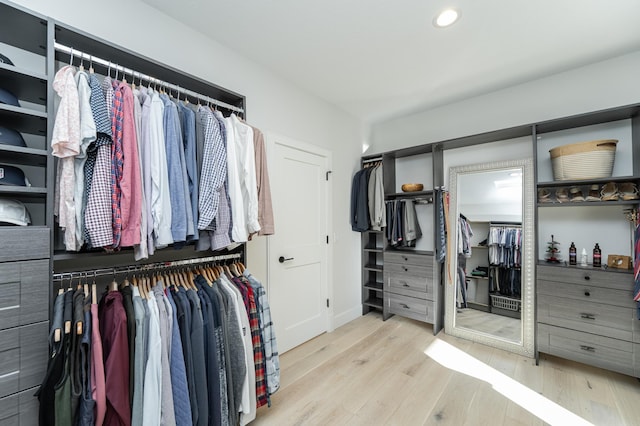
[153, 374]
[140, 251]
[160, 194]
[245, 156]
[239, 227]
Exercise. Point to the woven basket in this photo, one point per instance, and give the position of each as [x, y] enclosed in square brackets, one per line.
[584, 160]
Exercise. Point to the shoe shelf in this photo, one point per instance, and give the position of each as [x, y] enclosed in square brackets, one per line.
[589, 182]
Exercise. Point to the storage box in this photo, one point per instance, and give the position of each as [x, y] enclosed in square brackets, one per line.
[504, 302]
[619, 261]
[584, 160]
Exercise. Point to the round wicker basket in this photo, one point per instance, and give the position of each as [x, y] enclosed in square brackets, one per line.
[412, 187]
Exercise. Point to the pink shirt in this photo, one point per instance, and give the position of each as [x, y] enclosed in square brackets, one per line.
[131, 184]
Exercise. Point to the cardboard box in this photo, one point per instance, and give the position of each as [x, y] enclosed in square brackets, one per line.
[619, 261]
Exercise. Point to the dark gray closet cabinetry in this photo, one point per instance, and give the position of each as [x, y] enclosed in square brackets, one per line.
[25, 251]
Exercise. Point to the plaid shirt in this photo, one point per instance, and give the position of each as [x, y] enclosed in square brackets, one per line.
[117, 163]
[272, 358]
[214, 168]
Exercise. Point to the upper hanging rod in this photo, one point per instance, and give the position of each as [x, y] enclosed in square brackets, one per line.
[372, 160]
[152, 80]
[140, 268]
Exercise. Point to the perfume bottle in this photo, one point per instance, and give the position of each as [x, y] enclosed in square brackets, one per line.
[583, 258]
[572, 254]
[597, 256]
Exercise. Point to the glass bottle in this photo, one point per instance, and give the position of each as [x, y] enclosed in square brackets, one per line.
[572, 254]
[597, 256]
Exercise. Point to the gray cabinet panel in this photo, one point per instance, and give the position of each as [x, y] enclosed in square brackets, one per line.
[24, 243]
[418, 271]
[594, 277]
[410, 285]
[604, 352]
[23, 357]
[604, 320]
[587, 293]
[25, 293]
[20, 409]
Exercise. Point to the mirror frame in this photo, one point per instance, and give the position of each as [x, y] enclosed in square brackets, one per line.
[526, 346]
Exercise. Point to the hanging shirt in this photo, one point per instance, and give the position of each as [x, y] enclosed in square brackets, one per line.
[141, 251]
[130, 182]
[97, 214]
[188, 125]
[153, 372]
[160, 193]
[146, 162]
[65, 144]
[265, 207]
[246, 167]
[88, 134]
[238, 221]
[214, 169]
[117, 161]
[139, 357]
[168, 416]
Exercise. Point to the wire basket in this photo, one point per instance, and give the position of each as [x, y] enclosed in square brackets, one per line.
[507, 303]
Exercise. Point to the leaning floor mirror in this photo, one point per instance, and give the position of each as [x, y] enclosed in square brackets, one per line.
[490, 285]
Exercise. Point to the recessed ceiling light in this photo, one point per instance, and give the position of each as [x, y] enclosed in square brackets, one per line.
[446, 18]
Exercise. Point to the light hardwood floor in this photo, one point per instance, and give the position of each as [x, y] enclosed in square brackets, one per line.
[370, 372]
[496, 325]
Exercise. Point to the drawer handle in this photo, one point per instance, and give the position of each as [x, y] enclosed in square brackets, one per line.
[588, 348]
[587, 277]
[406, 259]
[405, 268]
[587, 293]
[404, 305]
[588, 316]
[404, 284]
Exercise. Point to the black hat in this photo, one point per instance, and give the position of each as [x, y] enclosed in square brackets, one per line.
[6, 97]
[11, 137]
[5, 60]
[10, 175]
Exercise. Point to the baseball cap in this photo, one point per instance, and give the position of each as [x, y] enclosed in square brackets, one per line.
[10, 175]
[11, 137]
[6, 97]
[14, 212]
[5, 60]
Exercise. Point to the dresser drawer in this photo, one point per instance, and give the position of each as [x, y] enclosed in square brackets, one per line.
[24, 287]
[23, 357]
[409, 285]
[24, 243]
[408, 270]
[593, 277]
[587, 293]
[604, 320]
[410, 307]
[20, 409]
[604, 352]
[402, 258]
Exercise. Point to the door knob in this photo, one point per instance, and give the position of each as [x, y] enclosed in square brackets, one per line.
[282, 259]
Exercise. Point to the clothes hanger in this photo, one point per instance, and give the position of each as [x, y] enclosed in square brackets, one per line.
[81, 67]
[113, 286]
[91, 70]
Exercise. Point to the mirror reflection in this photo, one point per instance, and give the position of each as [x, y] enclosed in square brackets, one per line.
[488, 283]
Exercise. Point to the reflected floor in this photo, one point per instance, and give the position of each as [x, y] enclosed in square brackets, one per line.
[496, 325]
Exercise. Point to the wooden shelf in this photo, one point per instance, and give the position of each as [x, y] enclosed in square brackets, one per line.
[23, 192]
[416, 194]
[373, 249]
[590, 203]
[23, 120]
[374, 302]
[585, 182]
[374, 286]
[377, 268]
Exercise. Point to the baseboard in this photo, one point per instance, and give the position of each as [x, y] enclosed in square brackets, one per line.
[344, 317]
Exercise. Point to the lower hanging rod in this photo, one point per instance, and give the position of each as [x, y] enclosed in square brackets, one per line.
[141, 76]
[61, 276]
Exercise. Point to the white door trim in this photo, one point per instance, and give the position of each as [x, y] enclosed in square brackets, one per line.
[271, 139]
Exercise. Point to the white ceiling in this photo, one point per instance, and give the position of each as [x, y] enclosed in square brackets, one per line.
[382, 58]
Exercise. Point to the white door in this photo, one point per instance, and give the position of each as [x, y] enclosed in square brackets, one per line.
[298, 267]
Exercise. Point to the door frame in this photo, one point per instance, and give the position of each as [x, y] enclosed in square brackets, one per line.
[271, 139]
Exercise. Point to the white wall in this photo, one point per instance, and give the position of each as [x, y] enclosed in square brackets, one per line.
[273, 105]
[597, 86]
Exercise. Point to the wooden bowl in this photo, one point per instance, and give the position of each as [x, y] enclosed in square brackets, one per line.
[412, 187]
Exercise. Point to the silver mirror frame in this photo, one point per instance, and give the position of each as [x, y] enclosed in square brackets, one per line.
[526, 346]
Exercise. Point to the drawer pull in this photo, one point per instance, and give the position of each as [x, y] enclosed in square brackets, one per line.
[587, 348]
[405, 268]
[404, 284]
[587, 277]
[406, 259]
[404, 305]
[588, 316]
[587, 293]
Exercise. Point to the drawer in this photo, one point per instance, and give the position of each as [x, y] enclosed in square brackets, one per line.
[587, 293]
[25, 243]
[410, 307]
[404, 258]
[603, 352]
[593, 277]
[409, 285]
[23, 357]
[596, 318]
[24, 287]
[409, 270]
[20, 409]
